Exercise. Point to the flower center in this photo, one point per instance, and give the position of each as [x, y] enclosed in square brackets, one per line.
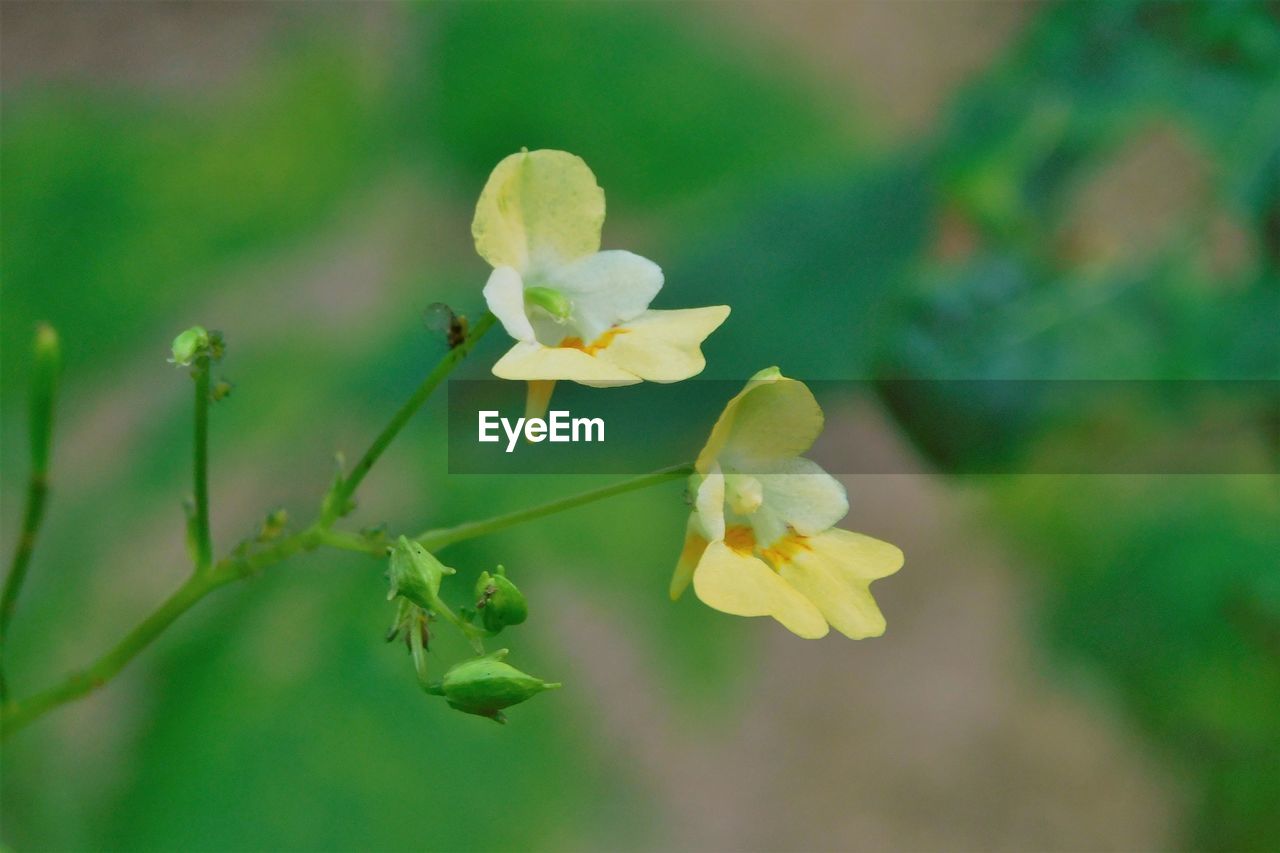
[598, 344]
[740, 538]
[744, 493]
[553, 302]
[785, 548]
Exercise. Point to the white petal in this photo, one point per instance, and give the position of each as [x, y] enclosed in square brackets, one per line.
[800, 495]
[606, 288]
[709, 504]
[664, 346]
[504, 293]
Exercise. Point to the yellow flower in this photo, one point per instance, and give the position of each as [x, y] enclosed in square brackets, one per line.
[761, 540]
[576, 312]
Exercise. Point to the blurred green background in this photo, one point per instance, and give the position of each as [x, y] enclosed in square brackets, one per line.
[928, 190]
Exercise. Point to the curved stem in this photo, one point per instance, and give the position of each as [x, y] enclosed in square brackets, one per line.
[338, 502]
[200, 515]
[434, 540]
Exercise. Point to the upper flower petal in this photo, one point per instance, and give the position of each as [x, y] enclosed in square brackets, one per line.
[606, 288]
[664, 346]
[504, 292]
[743, 585]
[534, 361]
[832, 572]
[538, 210]
[772, 418]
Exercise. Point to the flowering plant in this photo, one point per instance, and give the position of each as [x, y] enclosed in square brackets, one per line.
[760, 541]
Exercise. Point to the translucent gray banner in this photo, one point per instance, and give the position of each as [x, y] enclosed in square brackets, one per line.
[954, 426]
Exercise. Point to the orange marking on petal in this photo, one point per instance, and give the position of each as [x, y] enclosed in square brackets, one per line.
[785, 548]
[740, 538]
[598, 344]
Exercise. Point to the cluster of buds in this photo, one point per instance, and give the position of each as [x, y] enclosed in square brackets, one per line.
[483, 685]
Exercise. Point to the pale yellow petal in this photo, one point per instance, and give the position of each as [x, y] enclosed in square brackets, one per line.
[694, 544]
[533, 361]
[835, 572]
[859, 556]
[743, 585]
[664, 346]
[772, 417]
[538, 210]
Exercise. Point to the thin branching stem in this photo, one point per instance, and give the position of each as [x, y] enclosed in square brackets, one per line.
[434, 540]
[338, 502]
[17, 714]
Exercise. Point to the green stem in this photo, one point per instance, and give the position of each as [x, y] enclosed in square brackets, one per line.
[18, 714]
[434, 540]
[37, 492]
[200, 520]
[44, 378]
[338, 502]
[15, 715]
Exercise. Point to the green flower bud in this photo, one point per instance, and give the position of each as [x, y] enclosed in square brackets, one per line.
[415, 574]
[190, 344]
[46, 364]
[499, 602]
[484, 686]
[273, 525]
[221, 390]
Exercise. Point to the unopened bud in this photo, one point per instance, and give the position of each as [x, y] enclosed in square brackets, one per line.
[46, 364]
[189, 345]
[484, 686]
[273, 525]
[415, 574]
[221, 389]
[499, 602]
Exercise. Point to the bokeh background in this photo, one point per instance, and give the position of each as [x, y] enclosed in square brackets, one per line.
[934, 190]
